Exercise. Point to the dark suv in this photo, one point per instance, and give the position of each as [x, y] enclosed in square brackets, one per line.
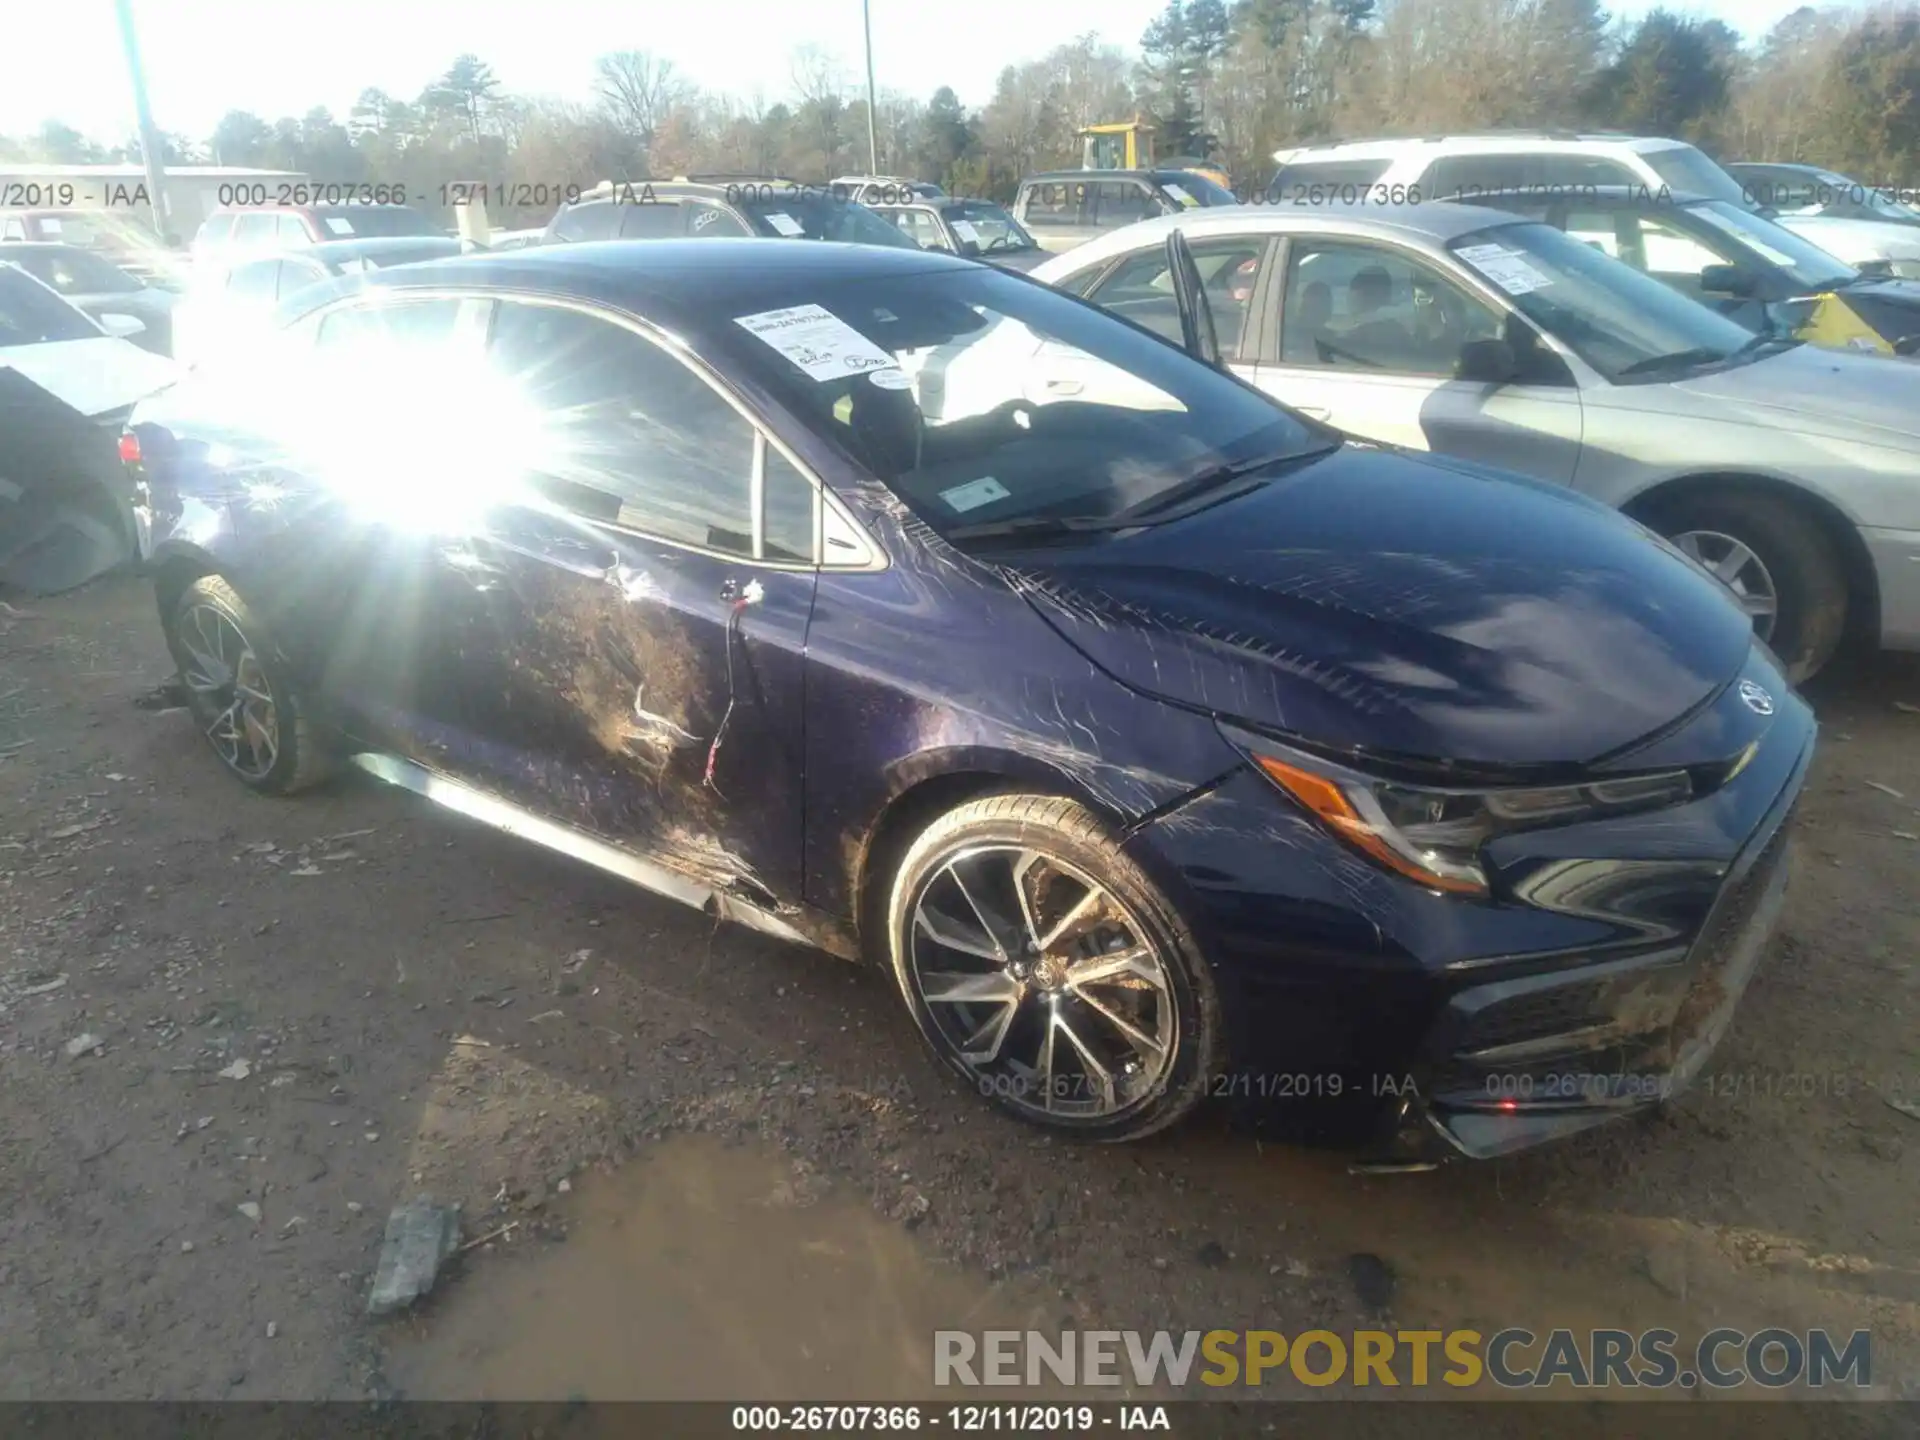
[712, 208]
[1061, 208]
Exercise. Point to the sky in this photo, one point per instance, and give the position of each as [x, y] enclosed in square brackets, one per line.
[283, 57]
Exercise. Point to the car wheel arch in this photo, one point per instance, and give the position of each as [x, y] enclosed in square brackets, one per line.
[173, 570]
[923, 789]
[1836, 526]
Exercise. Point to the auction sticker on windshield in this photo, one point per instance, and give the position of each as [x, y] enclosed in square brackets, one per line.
[1182, 196]
[785, 223]
[1506, 268]
[964, 229]
[974, 494]
[818, 341]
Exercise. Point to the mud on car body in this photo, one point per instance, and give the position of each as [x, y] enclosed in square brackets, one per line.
[1111, 721]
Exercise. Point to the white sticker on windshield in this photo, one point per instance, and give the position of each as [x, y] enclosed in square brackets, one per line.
[964, 229]
[49, 224]
[974, 494]
[1506, 268]
[890, 379]
[1182, 196]
[339, 226]
[818, 341]
[785, 223]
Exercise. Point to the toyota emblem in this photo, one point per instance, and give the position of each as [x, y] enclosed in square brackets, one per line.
[1758, 700]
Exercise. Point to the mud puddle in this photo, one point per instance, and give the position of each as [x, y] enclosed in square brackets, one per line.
[704, 1271]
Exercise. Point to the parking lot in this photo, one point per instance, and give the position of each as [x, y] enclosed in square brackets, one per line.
[699, 1162]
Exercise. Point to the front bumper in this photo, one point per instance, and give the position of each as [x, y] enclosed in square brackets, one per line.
[1595, 980]
[1514, 1063]
[1896, 564]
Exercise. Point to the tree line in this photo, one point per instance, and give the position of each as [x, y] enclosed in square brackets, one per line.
[1227, 80]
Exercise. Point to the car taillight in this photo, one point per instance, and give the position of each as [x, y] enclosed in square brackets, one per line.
[129, 448]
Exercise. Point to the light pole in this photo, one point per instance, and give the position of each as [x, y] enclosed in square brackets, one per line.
[873, 134]
[149, 137]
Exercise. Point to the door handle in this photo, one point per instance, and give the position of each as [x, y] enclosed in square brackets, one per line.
[729, 589]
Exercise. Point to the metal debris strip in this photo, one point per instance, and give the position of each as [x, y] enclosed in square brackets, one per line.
[421, 1237]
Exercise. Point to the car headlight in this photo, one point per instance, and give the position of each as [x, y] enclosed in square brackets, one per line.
[1433, 834]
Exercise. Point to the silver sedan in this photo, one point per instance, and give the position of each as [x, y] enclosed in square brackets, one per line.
[1792, 473]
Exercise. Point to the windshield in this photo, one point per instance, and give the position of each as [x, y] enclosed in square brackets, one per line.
[1196, 186]
[979, 397]
[822, 217]
[1681, 167]
[71, 271]
[1623, 323]
[988, 226]
[1811, 267]
[31, 314]
[355, 220]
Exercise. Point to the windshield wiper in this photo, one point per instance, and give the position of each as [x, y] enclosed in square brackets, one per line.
[1680, 359]
[1214, 478]
[1041, 527]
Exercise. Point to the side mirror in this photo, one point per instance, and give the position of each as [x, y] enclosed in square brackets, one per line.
[1488, 362]
[1726, 280]
[123, 327]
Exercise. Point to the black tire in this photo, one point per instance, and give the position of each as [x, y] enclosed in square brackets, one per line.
[1065, 831]
[1808, 576]
[300, 759]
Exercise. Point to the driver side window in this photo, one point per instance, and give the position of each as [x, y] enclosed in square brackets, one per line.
[1354, 307]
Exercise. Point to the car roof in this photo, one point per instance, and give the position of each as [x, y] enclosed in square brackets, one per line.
[328, 251]
[1600, 194]
[1484, 142]
[1435, 221]
[661, 274]
[1779, 165]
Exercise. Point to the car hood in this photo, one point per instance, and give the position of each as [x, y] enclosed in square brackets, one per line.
[1809, 389]
[95, 375]
[1381, 602]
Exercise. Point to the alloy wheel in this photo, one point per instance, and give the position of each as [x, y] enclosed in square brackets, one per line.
[232, 696]
[1042, 984]
[1734, 564]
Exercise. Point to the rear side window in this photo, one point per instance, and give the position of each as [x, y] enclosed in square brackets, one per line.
[592, 221]
[656, 220]
[1304, 181]
[1121, 202]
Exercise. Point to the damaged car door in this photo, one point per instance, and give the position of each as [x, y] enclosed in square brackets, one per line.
[624, 632]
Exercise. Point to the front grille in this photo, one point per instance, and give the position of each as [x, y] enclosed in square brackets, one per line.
[1721, 940]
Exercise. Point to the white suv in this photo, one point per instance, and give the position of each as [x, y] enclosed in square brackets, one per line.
[1450, 167]
[1446, 166]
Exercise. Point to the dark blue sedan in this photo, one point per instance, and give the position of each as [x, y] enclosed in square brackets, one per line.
[1160, 742]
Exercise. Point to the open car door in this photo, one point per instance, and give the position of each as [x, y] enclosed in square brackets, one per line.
[1196, 316]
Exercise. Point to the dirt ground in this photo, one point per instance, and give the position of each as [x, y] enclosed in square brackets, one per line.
[717, 1166]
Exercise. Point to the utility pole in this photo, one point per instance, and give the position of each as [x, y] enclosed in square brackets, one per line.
[150, 141]
[873, 134]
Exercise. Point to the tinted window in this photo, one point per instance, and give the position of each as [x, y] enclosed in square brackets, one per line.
[802, 216]
[1621, 322]
[789, 510]
[592, 221]
[1684, 168]
[1453, 175]
[1054, 203]
[1355, 307]
[1121, 202]
[402, 323]
[1142, 290]
[1010, 399]
[1301, 178]
[709, 221]
[74, 272]
[1568, 172]
[657, 220]
[256, 282]
[634, 436]
[31, 314]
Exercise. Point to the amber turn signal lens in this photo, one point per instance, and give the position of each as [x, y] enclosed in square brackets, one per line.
[1328, 801]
